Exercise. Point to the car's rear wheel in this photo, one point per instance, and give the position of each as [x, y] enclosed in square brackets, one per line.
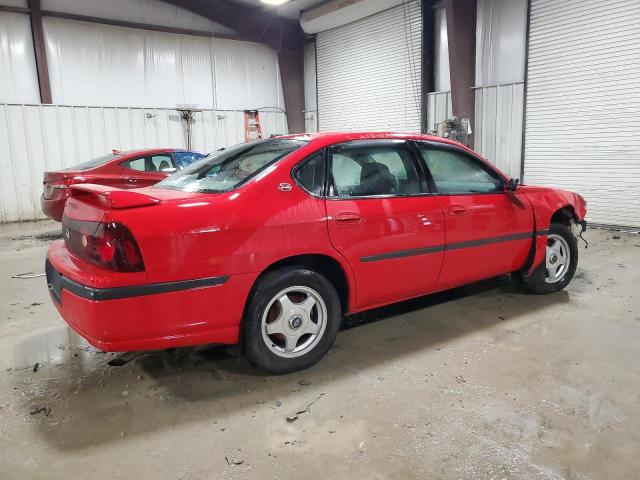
[291, 321]
[561, 261]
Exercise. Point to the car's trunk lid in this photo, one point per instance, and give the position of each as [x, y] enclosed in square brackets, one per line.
[53, 180]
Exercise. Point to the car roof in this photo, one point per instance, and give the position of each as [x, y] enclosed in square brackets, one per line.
[147, 151]
[334, 137]
[328, 138]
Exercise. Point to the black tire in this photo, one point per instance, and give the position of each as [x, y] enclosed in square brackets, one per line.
[537, 281]
[265, 290]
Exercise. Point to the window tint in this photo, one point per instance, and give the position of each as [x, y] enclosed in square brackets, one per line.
[310, 174]
[153, 163]
[361, 170]
[227, 169]
[457, 173]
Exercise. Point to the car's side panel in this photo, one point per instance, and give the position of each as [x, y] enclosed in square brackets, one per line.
[487, 235]
[395, 248]
[239, 234]
[546, 201]
[246, 231]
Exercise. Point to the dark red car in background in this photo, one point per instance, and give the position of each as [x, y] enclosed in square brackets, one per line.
[268, 244]
[131, 169]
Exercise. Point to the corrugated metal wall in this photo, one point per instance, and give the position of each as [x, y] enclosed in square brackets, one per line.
[582, 125]
[498, 125]
[438, 109]
[369, 72]
[310, 91]
[36, 138]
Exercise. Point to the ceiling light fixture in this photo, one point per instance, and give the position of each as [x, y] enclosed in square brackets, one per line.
[274, 2]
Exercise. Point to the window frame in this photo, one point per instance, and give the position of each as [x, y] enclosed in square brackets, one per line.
[430, 145]
[425, 189]
[303, 162]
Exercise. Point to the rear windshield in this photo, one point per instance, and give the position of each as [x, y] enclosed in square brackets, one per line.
[228, 169]
[96, 162]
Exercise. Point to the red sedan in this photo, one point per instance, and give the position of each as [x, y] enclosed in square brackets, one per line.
[132, 169]
[270, 243]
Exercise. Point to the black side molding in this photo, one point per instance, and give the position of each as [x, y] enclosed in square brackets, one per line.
[58, 282]
[452, 246]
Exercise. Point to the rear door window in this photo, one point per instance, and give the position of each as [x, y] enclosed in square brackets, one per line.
[362, 170]
[152, 164]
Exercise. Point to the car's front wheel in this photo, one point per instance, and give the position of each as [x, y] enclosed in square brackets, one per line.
[561, 261]
[291, 321]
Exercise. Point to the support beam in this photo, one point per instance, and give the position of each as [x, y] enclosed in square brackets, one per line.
[263, 25]
[280, 33]
[428, 60]
[142, 26]
[37, 32]
[292, 73]
[461, 29]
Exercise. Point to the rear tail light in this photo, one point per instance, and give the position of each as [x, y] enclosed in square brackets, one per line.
[108, 245]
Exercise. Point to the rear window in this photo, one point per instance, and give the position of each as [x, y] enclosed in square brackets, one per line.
[228, 169]
[96, 162]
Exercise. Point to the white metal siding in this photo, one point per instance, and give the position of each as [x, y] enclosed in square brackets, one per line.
[498, 125]
[438, 109]
[583, 104]
[36, 138]
[369, 72]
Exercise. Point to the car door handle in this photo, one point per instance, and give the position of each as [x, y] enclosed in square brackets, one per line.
[132, 180]
[457, 210]
[348, 218]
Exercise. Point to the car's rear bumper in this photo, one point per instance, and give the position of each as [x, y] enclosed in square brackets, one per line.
[52, 208]
[149, 316]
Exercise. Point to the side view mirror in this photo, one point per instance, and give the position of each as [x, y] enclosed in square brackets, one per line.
[513, 184]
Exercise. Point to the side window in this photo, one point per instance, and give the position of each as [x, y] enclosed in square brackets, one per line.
[456, 173]
[369, 170]
[311, 173]
[137, 164]
[162, 163]
[154, 163]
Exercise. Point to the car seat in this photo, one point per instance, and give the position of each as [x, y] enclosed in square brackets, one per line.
[376, 179]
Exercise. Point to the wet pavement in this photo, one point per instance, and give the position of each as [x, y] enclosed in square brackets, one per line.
[481, 382]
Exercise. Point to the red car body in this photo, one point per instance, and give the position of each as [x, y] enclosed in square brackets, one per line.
[114, 171]
[203, 252]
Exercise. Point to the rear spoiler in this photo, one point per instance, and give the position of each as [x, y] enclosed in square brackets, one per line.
[112, 197]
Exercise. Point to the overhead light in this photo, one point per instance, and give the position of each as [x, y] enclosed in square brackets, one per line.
[274, 2]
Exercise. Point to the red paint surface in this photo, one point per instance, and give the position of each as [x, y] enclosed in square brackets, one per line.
[239, 234]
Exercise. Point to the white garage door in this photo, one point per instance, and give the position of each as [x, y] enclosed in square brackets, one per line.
[368, 72]
[583, 104]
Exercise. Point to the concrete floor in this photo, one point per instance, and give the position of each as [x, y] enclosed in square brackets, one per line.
[481, 382]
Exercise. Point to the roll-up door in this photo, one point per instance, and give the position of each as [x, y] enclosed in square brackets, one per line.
[368, 72]
[583, 104]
